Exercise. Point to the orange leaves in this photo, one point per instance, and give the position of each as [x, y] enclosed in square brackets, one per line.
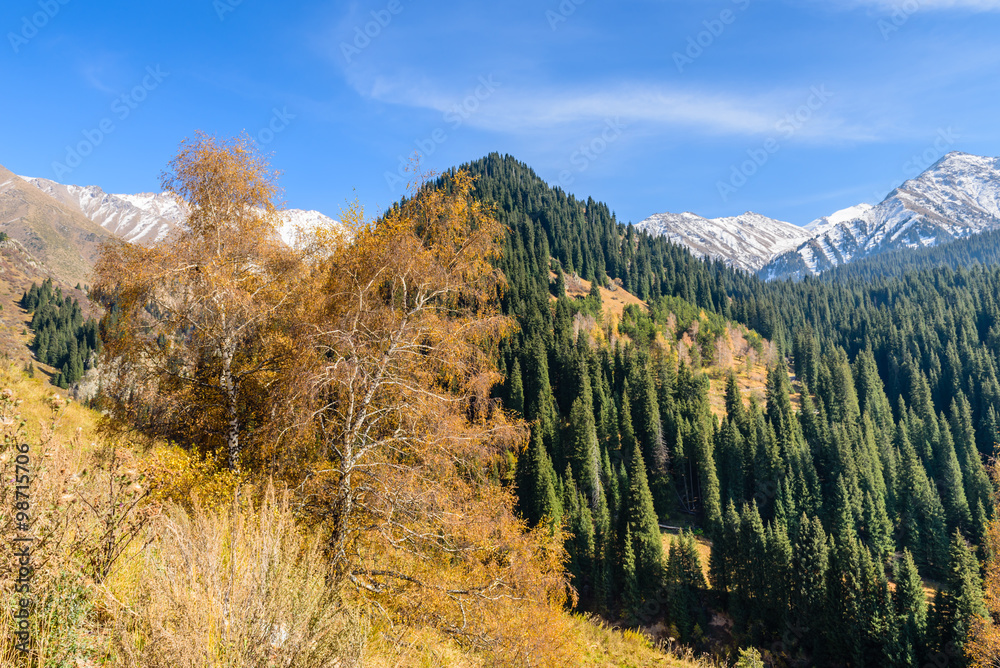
[360, 371]
[199, 324]
[228, 186]
[406, 339]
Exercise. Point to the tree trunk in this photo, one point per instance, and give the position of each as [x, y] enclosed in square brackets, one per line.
[233, 421]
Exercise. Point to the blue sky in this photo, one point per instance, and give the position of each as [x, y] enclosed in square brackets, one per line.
[791, 109]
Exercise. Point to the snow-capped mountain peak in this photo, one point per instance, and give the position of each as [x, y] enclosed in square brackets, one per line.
[956, 197]
[844, 215]
[151, 217]
[746, 241]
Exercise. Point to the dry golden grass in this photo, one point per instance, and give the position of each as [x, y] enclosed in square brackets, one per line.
[236, 586]
[603, 647]
[751, 383]
[614, 301]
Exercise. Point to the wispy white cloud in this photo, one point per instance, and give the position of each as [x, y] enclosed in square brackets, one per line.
[514, 109]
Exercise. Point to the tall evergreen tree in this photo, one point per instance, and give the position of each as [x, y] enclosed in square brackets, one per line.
[911, 611]
[644, 528]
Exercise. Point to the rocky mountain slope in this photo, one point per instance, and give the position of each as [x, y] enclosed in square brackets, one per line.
[747, 241]
[56, 238]
[956, 197]
[149, 217]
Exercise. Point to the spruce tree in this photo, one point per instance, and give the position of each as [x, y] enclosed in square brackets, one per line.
[538, 499]
[965, 593]
[582, 448]
[974, 476]
[911, 610]
[735, 410]
[625, 427]
[950, 482]
[515, 395]
[845, 626]
[644, 528]
[685, 583]
[807, 582]
[922, 522]
[631, 591]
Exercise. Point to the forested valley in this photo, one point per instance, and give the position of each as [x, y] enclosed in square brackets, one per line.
[846, 504]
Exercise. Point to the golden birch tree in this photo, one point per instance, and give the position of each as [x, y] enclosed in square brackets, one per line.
[198, 324]
[406, 343]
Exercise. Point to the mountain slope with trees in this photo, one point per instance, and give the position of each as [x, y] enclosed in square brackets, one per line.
[879, 476]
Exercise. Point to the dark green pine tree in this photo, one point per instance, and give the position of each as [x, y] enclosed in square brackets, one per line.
[560, 286]
[949, 480]
[845, 630]
[708, 478]
[604, 557]
[685, 583]
[964, 598]
[807, 581]
[632, 597]
[541, 406]
[648, 429]
[922, 522]
[977, 482]
[644, 527]
[538, 498]
[751, 578]
[735, 410]
[515, 393]
[723, 562]
[625, 429]
[777, 571]
[580, 545]
[582, 448]
[730, 450]
[877, 533]
[878, 616]
[911, 611]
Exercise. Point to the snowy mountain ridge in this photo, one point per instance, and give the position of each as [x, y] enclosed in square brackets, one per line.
[151, 217]
[746, 241]
[954, 198]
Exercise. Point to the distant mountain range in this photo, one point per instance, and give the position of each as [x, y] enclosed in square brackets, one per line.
[62, 225]
[149, 217]
[955, 198]
[58, 228]
[747, 241]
